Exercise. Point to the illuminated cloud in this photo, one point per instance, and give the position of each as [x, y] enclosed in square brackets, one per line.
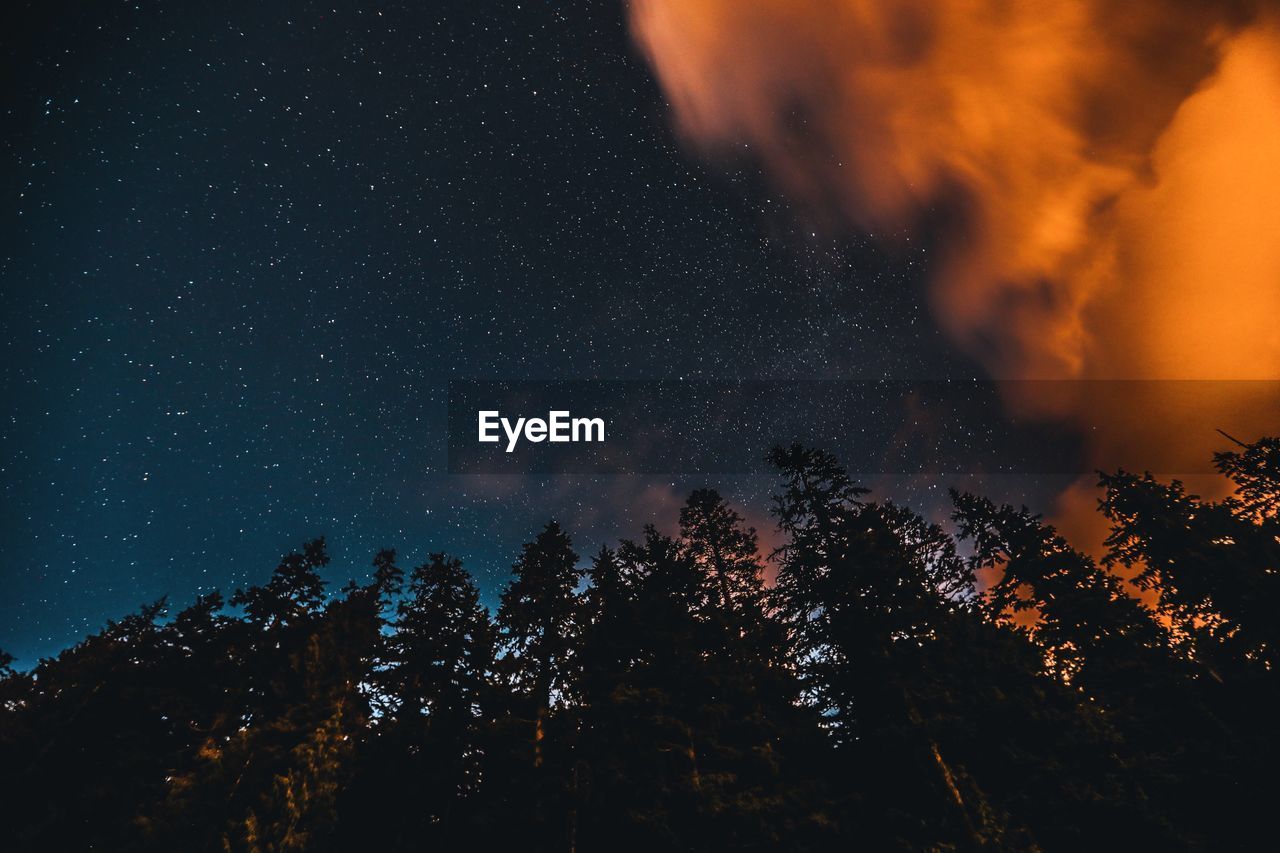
[1105, 177]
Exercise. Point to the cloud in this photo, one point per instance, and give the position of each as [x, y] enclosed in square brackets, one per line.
[1104, 178]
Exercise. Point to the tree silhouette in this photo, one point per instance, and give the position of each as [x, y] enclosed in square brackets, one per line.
[1213, 568]
[421, 761]
[539, 622]
[897, 687]
[860, 600]
[538, 617]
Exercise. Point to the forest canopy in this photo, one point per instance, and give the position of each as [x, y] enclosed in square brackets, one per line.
[901, 684]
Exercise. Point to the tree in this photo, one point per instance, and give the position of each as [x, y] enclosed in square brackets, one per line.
[538, 617]
[531, 749]
[856, 599]
[687, 733]
[1212, 564]
[1255, 471]
[294, 593]
[1104, 643]
[878, 694]
[725, 549]
[421, 759]
[87, 736]
[267, 776]
[1095, 635]
[939, 709]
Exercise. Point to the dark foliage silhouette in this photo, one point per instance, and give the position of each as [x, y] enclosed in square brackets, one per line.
[899, 685]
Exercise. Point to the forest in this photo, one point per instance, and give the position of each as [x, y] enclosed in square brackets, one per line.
[880, 682]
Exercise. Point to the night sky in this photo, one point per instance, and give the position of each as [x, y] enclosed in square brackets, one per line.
[245, 250]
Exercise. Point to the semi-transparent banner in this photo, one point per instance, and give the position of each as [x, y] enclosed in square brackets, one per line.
[890, 427]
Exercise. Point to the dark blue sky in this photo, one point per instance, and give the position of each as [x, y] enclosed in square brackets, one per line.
[244, 248]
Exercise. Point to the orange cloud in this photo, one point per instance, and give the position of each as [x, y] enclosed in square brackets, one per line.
[1106, 178]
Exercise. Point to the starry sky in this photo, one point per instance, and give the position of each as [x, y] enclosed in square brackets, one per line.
[247, 245]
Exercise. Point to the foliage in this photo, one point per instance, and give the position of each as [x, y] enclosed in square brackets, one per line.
[899, 686]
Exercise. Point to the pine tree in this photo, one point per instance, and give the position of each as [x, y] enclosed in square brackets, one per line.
[268, 777]
[691, 735]
[1255, 471]
[87, 738]
[531, 751]
[1213, 567]
[538, 617]
[726, 551]
[863, 589]
[1103, 642]
[421, 759]
[1094, 633]
[1213, 564]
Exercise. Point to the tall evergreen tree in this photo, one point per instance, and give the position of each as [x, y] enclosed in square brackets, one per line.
[1213, 565]
[444, 645]
[857, 601]
[1094, 633]
[421, 761]
[726, 551]
[938, 709]
[538, 616]
[1101, 640]
[1213, 569]
[539, 621]
[268, 777]
[684, 690]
